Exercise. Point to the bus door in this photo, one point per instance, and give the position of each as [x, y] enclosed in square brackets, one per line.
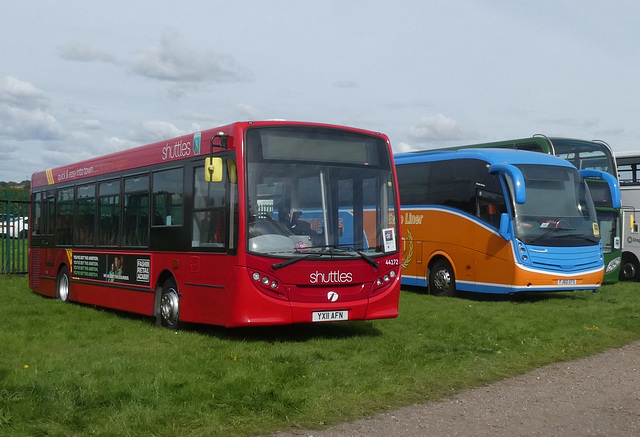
[42, 240]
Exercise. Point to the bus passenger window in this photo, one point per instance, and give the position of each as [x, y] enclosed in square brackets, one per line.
[135, 230]
[85, 215]
[167, 197]
[64, 217]
[109, 213]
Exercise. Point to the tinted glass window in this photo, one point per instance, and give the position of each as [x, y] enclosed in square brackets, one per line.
[210, 211]
[168, 188]
[109, 213]
[135, 224]
[64, 217]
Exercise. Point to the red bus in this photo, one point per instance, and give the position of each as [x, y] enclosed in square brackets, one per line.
[252, 223]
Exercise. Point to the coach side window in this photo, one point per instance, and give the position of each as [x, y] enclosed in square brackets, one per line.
[452, 184]
[490, 201]
[412, 183]
[168, 189]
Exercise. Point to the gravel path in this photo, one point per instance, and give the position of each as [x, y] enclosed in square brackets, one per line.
[593, 396]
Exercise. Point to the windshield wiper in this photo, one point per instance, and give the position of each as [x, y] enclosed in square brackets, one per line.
[290, 261]
[363, 255]
[330, 251]
[367, 258]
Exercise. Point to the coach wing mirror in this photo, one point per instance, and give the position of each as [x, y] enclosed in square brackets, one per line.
[516, 177]
[213, 169]
[505, 222]
[611, 181]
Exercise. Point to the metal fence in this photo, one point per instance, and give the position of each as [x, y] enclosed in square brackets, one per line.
[14, 231]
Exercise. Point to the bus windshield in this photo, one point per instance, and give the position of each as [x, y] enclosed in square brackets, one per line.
[318, 190]
[585, 154]
[558, 210]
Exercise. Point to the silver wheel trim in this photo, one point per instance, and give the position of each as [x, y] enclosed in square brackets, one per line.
[170, 307]
[63, 288]
[442, 279]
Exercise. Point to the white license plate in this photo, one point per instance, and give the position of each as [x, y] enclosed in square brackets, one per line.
[567, 281]
[329, 316]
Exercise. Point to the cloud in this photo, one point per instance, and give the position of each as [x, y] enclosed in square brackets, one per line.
[171, 60]
[437, 128]
[345, 84]
[82, 53]
[115, 144]
[174, 61]
[402, 148]
[151, 131]
[24, 112]
[19, 94]
[248, 112]
[86, 124]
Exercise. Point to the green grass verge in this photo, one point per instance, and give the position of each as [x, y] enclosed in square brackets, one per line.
[68, 369]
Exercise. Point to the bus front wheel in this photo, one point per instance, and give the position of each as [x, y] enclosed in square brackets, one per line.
[62, 285]
[170, 305]
[441, 279]
[629, 270]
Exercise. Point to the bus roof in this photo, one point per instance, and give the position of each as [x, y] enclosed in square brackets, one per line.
[489, 155]
[173, 149]
[540, 143]
[628, 157]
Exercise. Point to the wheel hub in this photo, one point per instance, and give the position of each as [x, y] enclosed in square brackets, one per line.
[169, 307]
[442, 279]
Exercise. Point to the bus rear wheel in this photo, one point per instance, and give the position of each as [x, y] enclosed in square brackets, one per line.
[170, 305]
[441, 279]
[62, 285]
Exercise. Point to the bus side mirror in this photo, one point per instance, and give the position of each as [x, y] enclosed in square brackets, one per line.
[213, 169]
[517, 178]
[614, 188]
[505, 221]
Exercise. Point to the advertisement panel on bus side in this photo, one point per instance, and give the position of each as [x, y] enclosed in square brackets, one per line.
[132, 269]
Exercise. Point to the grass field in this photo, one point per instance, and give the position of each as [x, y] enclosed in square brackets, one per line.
[68, 369]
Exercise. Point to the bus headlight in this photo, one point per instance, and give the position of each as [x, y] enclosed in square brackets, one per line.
[383, 281]
[523, 254]
[613, 264]
[268, 284]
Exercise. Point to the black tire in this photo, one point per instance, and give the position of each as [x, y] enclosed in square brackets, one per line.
[629, 270]
[442, 281]
[62, 284]
[169, 307]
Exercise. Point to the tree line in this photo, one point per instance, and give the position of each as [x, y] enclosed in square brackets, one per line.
[24, 185]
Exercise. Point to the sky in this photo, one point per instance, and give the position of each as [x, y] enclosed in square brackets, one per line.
[80, 79]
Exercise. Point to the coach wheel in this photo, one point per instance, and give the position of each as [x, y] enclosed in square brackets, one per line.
[441, 279]
[62, 285]
[170, 305]
[628, 271]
